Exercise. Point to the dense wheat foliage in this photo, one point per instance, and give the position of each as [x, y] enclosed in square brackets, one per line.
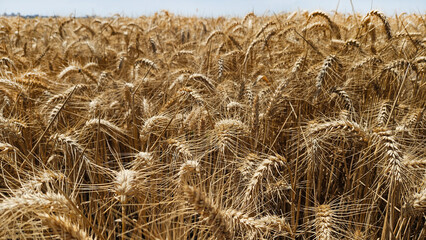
[293, 126]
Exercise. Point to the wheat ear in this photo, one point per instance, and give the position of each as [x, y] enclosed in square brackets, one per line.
[63, 224]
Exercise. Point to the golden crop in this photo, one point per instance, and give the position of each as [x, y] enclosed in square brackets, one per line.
[291, 126]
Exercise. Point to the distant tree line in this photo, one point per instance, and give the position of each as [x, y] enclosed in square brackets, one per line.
[38, 16]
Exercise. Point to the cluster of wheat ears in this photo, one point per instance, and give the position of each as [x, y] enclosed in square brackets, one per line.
[293, 126]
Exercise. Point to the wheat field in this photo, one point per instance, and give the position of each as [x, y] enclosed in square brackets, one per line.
[302, 125]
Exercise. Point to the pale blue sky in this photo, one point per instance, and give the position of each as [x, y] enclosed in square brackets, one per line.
[201, 7]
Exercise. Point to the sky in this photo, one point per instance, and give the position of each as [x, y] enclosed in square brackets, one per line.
[204, 8]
